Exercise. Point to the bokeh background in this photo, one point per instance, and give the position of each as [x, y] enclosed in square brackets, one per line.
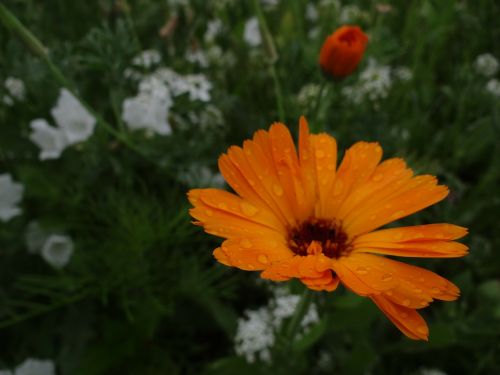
[101, 271]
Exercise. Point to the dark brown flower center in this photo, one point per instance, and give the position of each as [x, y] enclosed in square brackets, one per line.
[327, 233]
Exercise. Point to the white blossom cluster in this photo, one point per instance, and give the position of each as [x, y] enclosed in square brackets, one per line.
[15, 90]
[149, 109]
[56, 249]
[11, 194]
[74, 122]
[147, 58]
[375, 82]
[200, 176]
[251, 33]
[256, 331]
[32, 366]
[493, 87]
[308, 94]
[486, 65]
[431, 371]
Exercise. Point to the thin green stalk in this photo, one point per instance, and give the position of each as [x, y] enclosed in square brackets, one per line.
[298, 316]
[272, 57]
[11, 22]
[316, 125]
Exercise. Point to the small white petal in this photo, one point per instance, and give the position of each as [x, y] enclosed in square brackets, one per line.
[76, 122]
[15, 87]
[251, 34]
[486, 64]
[57, 250]
[35, 237]
[49, 139]
[36, 367]
[11, 194]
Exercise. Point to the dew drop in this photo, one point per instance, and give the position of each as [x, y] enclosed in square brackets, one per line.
[339, 186]
[422, 329]
[248, 209]
[436, 290]
[251, 182]
[246, 243]
[398, 214]
[361, 270]
[417, 290]
[222, 206]
[423, 303]
[398, 236]
[209, 212]
[320, 154]
[406, 302]
[403, 315]
[263, 259]
[387, 277]
[440, 235]
[278, 190]
[389, 292]
[377, 177]
[373, 217]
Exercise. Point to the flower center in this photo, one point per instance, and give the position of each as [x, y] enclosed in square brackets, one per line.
[309, 235]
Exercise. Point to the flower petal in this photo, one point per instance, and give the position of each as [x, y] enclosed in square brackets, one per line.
[407, 320]
[358, 163]
[415, 195]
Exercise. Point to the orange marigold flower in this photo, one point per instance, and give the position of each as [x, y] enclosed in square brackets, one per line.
[342, 51]
[299, 216]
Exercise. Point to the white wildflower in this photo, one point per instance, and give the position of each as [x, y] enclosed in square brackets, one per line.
[197, 57]
[493, 87]
[11, 194]
[201, 176]
[431, 371]
[175, 82]
[6, 372]
[36, 367]
[403, 73]
[57, 250]
[214, 28]
[147, 112]
[486, 64]
[177, 3]
[132, 74]
[73, 118]
[15, 88]
[270, 4]
[35, 237]
[147, 58]
[7, 100]
[198, 87]
[307, 94]
[251, 34]
[49, 139]
[312, 13]
[352, 14]
[255, 335]
[374, 83]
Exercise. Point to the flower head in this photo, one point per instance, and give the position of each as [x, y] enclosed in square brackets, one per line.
[57, 250]
[49, 139]
[299, 216]
[342, 51]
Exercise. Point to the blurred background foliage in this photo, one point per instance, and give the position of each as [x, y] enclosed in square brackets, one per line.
[142, 293]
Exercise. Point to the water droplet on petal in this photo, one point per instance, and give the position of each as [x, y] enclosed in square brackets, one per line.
[361, 270]
[263, 258]
[406, 302]
[278, 190]
[209, 212]
[398, 236]
[403, 315]
[377, 177]
[389, 292]
[222, 206]
[339, 186]
[387, 277]
[246, 243]
[440, 235]
[436, 290]
[248, 209]
[397, 214]
[320, 154]
[417, 290]
[422, 329]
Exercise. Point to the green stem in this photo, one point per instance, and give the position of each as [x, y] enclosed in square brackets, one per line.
[316, 125]
[37, 48]
[272, 57]
[298, 316]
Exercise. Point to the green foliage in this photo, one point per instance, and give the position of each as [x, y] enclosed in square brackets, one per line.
[142, 293]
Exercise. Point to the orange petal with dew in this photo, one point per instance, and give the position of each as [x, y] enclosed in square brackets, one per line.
[254, 253]
[418, 193]
[405, 319]
[358, 163]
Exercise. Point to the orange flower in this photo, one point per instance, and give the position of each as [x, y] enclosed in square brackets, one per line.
[299, 216]
[342, 51]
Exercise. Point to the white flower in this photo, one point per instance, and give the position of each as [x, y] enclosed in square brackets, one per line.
[431, 371]
[214, 28]
[15, 87]
[251, 34]
[493, 87]
[308, 94]
[270, 4]
[72, 118]
[36, 367]
[11, 194]
[147, 58]
[7, 100]
[311, 13]
[198, 87]
[6, 372]
[57, 250]
[352, 14]
[374, 83]
[147, 112]
[35, 237]
[403, 73]
[255, 336]
[197, 57]
[49, 139]
[486, 64]
[201, 176]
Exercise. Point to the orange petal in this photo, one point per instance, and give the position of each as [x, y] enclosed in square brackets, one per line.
[307, 166]
[289, 173]
[357, 165]
[310, 266]
[222, 221]
[222, 257]
[417, 249]
[428, 232]
[328, 282]
[324, 154]
[407, 320]
[254, 253]
[417, 194]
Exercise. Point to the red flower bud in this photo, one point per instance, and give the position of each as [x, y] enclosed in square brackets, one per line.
[342, 51]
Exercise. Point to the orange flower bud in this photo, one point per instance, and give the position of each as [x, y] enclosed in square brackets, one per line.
[342, 51]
